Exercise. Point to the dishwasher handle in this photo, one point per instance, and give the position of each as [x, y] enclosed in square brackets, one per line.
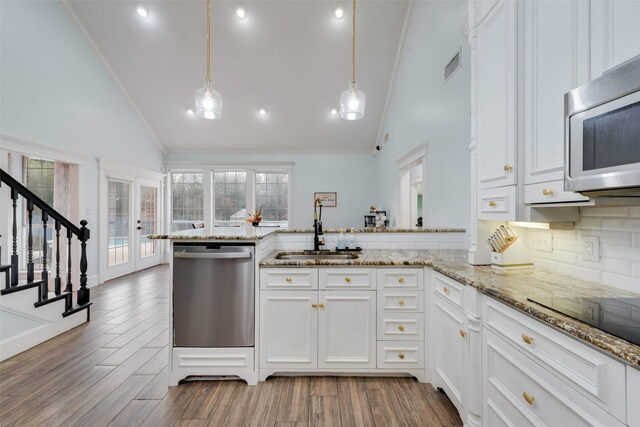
[212, 255]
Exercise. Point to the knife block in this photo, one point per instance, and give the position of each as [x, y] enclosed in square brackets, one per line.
[514, 257]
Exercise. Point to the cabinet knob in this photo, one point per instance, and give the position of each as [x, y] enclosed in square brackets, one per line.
[287, 279]
[401, 302]
[463, 333]
[401, 356]
[508, 168]
[314, 305]
[401, 280]
[401, 328]
[527, 339]
[547, 192]
[446, 290]
[321, 305]
[493, 203]
[347, 279]
[528, 398]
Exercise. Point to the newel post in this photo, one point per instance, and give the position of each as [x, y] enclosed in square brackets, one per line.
[83, 292]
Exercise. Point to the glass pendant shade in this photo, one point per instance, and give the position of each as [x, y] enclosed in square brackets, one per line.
[208, 102]
[352, 103]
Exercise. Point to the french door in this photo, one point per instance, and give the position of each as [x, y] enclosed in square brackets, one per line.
[133, 207]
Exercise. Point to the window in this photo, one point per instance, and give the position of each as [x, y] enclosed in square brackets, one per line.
[272, 196]
[230, 191]
[187, 200]
[39, 178]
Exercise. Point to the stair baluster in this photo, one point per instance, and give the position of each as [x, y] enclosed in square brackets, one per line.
[14, 232]
[44, 286]
[83, 292]
[30, 242]
[69, 287]
[57, 284]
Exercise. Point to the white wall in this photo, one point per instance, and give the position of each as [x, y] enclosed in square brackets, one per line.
[352, 176]
[56, 92]
[425, 109]
[619, 231]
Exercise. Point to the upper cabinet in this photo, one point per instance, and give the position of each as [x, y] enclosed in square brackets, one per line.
[614, 33]
[496, 94]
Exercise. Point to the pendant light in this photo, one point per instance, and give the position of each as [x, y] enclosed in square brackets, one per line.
[208, 101]
[352, 100]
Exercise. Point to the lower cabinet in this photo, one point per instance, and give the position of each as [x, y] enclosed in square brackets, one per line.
[301, 330]
[449, 349]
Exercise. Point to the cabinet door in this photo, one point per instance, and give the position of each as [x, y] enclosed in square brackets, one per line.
[448, 350]
[614, 33]
[556, 37]
[347, 329]
[496, 92]
[289, 329]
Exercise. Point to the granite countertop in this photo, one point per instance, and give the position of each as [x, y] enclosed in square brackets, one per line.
[512, 288]
[245, 232]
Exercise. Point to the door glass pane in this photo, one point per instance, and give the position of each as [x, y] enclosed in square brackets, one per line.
[148, 220]
[119, 209]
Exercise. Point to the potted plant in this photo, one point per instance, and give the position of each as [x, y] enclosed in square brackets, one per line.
[255, 218]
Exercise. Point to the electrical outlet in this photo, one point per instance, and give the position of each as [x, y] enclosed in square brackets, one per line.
[591, 248]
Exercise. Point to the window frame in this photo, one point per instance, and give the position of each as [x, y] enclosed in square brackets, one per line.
[289, 185]
[206, 202]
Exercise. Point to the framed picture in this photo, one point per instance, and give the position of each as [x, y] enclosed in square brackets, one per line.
[328, 199]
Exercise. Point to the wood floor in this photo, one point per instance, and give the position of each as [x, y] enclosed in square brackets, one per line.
[113, 371]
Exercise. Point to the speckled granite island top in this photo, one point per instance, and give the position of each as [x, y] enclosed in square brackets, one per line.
[512, 288]
[259, 233]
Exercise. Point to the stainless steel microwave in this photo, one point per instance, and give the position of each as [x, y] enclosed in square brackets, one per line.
[602, 134]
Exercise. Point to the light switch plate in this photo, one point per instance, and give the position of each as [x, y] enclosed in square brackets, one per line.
[541, 240]
[591, 248]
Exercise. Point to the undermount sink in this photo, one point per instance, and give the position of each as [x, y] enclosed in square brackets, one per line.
[311, 255]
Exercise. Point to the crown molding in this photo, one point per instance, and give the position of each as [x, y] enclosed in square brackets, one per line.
[112, 73]
[216, 150]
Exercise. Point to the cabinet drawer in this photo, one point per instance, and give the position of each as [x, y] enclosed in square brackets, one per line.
[347, 278]
[449, 289]
[212, 361]
[540, 396]
[550, 192]
[599, 378]
[400, 354]
[294, 278]
[633, 391]
[497, 203]
[401, 326]
[401, 301]
[401, 278]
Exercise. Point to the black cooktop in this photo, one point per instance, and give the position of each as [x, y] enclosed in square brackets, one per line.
[617, 316]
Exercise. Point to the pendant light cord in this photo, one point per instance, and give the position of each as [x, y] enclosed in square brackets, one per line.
[208, 40]
[353, 44]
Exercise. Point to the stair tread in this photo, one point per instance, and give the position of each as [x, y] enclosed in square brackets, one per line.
[76, 308]
[21, 287]
[52, 297]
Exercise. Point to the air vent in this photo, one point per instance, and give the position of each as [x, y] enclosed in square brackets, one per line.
[452, 66]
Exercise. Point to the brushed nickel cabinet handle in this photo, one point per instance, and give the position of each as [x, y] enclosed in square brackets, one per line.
[547, 192]
[527, 339]
[528, 398]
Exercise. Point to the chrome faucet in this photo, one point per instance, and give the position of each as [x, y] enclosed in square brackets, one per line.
[317, 225]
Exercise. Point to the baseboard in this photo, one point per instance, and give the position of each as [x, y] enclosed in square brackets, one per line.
[93, 280]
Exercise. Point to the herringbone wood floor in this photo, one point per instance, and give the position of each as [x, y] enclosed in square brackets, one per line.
[113, 371]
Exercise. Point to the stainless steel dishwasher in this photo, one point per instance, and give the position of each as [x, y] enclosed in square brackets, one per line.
[213, 295]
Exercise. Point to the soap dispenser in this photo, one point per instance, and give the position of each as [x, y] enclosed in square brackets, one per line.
[342, 243]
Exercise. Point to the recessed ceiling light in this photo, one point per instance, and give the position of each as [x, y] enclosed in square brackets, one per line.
[241, 12]
[190, 112]
[262, 112]
[333, 112]
[338, 13]
[142, 11]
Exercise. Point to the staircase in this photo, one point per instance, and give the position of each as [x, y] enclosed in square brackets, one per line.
[30, 313]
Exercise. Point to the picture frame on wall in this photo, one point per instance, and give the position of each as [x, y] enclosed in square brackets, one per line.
[329, 199]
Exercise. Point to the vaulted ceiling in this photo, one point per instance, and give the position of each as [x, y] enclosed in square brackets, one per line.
[291, 58]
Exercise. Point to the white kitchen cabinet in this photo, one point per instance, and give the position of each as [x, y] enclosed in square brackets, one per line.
[556, 60]
[289, 329]
[614, 33]
[347, 329]
[449, 349]
[496, 96]
[633, 393]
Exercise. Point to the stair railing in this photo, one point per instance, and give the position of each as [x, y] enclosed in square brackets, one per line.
[82, 233]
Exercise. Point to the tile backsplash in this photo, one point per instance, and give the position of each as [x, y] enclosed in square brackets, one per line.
[618, 229]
